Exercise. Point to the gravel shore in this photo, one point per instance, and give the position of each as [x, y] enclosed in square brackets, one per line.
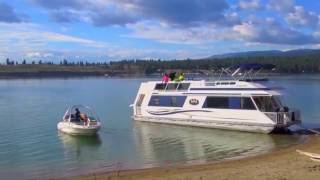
[280, 164]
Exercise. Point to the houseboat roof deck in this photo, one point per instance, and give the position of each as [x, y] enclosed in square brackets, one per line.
[220, 86]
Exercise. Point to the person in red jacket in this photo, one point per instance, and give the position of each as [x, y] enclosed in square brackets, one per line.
[165, 78]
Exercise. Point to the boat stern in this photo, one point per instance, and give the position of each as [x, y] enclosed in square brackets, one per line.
[285, 119]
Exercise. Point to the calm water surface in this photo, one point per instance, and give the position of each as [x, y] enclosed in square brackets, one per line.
[31, 146]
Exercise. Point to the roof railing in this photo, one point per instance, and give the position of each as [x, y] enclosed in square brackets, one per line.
[246, 72]
[177, 86]
[283, 118]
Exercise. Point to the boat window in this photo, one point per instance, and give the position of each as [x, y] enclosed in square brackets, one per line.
[234, 103]
[216, 102]
[210, 84]
[229, 103]
[160, 86]
[221, 83]
[154, 101]
[246, 103]
[267, 103]
[183, 86]
[167, 101]
[172, 86]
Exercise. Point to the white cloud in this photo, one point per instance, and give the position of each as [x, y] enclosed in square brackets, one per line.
[116, 53]
[246, 30]
[36, 34]
[282, 6]
[166, 34]
[250, 5]
[316, 46]
[33, 55]
[38, 55]
[268, 31]
[254, 30]
[107, 13]
[302, 17]
[31, 40]
[51, 36]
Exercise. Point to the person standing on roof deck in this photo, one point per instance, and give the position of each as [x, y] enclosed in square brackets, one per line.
[172, 76]
[165, 78]
[181, 77]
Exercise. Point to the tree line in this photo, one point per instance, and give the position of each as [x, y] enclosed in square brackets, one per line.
[284, 64]
[309, 63]
[64, 62]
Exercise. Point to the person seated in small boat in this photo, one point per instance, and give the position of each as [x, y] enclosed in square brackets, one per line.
[77, 115]
[84, 118]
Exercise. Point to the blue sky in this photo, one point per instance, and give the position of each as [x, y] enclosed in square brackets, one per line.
[101, 30]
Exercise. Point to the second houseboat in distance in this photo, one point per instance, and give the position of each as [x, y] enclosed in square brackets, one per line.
[241, 103]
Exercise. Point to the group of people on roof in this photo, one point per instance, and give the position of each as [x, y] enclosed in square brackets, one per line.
[173, 77]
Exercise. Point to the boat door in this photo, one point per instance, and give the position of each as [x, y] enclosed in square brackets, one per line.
[139, 103]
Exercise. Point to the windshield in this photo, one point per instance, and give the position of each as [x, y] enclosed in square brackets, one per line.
[268, 103]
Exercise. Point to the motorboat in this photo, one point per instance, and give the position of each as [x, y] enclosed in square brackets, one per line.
[80, 120]
[241, 103]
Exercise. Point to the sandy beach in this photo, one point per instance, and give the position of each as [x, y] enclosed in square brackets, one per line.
[281, 164]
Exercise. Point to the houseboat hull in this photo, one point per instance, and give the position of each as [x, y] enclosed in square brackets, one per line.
[211, 123]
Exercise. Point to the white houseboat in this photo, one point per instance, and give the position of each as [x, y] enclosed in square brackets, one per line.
[237, 104]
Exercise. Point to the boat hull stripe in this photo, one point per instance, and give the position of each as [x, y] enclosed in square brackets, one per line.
[175, 112]
[230, 89]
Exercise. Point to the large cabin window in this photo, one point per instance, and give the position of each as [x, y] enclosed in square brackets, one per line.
[216, 102]
[246, 103]
[167, 101]
[229, 103]
[267, 103]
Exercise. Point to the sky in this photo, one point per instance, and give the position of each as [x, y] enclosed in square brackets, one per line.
[104, 30]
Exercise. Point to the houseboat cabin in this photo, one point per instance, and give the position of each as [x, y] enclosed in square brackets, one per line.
[223, 104]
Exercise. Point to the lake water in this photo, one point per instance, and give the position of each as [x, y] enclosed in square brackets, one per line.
[31, 146]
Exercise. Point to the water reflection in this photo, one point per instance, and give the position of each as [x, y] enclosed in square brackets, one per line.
[163, 144]
[82, 147]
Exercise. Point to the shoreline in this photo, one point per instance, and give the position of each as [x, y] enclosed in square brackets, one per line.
[70, 75]
[279, 164]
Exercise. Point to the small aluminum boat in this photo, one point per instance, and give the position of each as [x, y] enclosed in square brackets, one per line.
[79, 120]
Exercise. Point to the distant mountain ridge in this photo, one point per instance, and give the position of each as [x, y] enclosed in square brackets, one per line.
[296, 52]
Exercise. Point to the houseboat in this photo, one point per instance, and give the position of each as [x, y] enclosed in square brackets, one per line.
[243, 104]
